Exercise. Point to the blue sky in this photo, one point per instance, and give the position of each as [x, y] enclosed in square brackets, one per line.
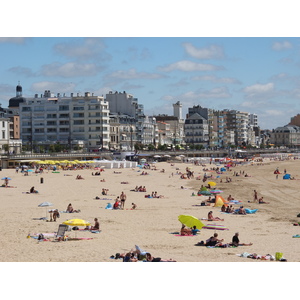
[254, 74]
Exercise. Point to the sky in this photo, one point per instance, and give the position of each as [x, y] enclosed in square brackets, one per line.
[253, 74]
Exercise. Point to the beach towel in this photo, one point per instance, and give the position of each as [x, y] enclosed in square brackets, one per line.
[109, 206]
[250, 211]
[185, 235]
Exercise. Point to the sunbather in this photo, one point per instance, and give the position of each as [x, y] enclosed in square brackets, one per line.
[212, 241]
[70, 209]
[150, 258]
[236, 241]
[185, 231]
[210, 217]
[96, 225]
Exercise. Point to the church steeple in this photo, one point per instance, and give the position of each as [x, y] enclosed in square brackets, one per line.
[18, 90]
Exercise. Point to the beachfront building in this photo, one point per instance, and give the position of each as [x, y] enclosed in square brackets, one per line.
[10, 132]
[164, 133]
[288, 135]
[196, 131]
[126, 104]
[122, 132]
[76, 122]
[237, 122]
[4, 133]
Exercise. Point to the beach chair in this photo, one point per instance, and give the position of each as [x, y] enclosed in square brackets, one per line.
[62, 228]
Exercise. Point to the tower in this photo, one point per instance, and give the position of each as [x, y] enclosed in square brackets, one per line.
[19, 90]
[177, 110]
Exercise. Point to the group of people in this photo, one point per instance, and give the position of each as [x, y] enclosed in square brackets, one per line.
[140, 189]
[214, 241]
[139, 255]
[188, 231]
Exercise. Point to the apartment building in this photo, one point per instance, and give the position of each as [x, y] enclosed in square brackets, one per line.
[126, 104]
[77, 121]
[288, 135]
[122, 132]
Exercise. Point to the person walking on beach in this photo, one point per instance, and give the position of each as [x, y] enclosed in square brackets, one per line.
[123, 199]
[255, 196]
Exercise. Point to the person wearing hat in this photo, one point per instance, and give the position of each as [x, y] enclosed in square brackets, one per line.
[242, 211]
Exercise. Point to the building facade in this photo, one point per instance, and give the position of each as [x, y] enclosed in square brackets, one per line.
[76, 121]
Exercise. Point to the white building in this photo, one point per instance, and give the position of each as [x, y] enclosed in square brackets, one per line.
[74, 121]
[126, 104]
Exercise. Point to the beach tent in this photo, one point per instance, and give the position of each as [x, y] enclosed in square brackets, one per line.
[287, 176]
[220, 201]
[223, 169]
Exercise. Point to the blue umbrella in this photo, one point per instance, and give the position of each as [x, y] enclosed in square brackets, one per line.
[5, 178]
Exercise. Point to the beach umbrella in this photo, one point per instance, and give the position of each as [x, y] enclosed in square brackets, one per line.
[190, 221]
[5, 178]
[77, 222]
[205, 193]
[215, 227]
[211, 183]
[45, 204]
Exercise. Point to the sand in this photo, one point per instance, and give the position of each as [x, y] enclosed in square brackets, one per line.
[151, 225]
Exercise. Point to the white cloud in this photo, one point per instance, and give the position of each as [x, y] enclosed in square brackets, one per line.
[278, 46]
[215, 79]
[70, 69]
[133, 74]
[189, 66]
[259, 90]
[210, 52]
[55, 87]
[215, 93]
[89, 48]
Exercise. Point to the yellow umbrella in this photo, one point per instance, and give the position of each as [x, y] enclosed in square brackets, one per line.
[211, 183]
[77, 222]
[190, 221]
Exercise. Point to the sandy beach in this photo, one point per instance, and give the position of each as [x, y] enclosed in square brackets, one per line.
[152, 224]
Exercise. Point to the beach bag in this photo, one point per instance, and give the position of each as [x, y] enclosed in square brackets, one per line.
[278, 255]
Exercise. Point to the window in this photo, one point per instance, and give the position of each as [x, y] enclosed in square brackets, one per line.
[63, 107]
[78, 108]
[26, 108]
[51, 116]
[78, 122]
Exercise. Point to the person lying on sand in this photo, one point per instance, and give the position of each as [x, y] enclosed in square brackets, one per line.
[150, 258]
[210, 217]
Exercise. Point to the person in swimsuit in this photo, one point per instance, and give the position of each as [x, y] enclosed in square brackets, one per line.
[123, 199]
